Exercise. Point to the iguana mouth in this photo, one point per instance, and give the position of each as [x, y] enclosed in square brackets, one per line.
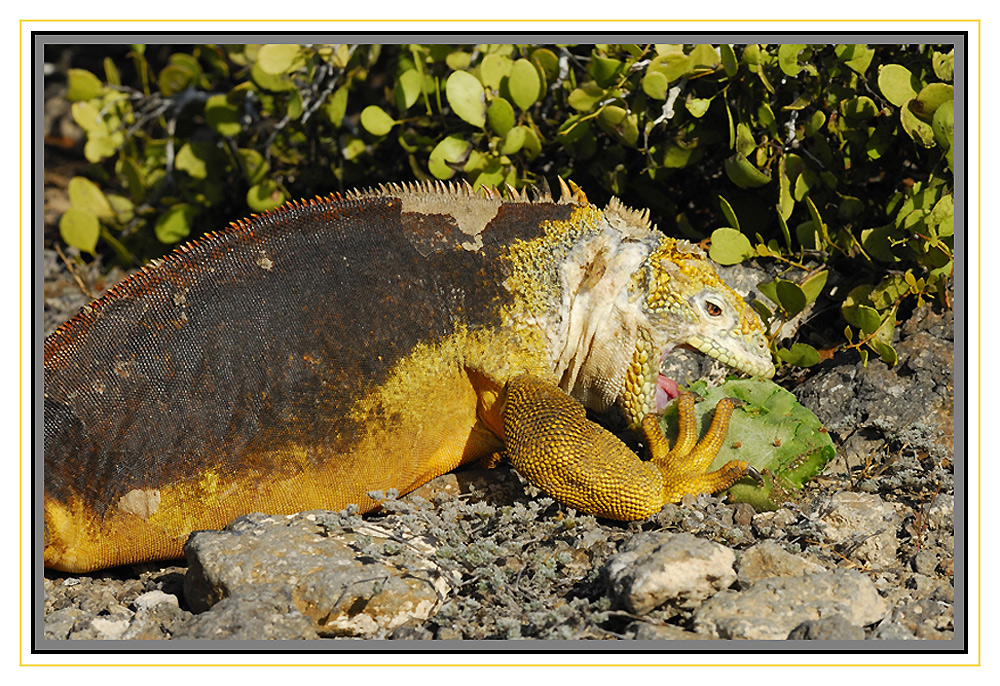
[666, 390]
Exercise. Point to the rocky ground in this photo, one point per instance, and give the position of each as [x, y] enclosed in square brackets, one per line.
[866, 552]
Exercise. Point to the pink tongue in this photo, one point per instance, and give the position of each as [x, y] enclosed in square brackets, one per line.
[666, 390]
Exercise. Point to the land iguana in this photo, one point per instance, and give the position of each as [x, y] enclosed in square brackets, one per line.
[306, 357]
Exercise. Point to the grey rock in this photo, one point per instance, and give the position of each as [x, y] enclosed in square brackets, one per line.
[161, 620]
[108, 627]
[832, 628]
[151, 599]
[923, 619]
[643, 631]
[768, 559]
[941, 514]
[59, 624]
[773, 522]
[259, 612]
[866, 406]
[771, 608]
[658, 568]
[924, 562]
[860, 525]
[358, 581]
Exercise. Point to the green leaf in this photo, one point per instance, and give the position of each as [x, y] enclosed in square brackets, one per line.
[943, 125]
[193, 158]
[352, 147]
[856, 57]
[818, 222]
[408, 89]
[174, 224]
[86, 196]
[944, 65]
[494, 69]
[673, 65]
[584, 98]
[133, 178]
[788, 58]
[253, 164]
[101, 145]
[123, 208]
[546, 61]
[513, 141]
[785, 232]
[813, 285]
[487, 171]
[654, 84]
[677, 156]
[729, 62]
[467, 98]
[335, 106]
[532, 145]
[524, 84]
[729, 246]
[697, 106]
[450, 151]
[858, 108]
[612, 115]
[458, 59]
[111, 73]
[885, 351]
[772, 431]
[730, 215]
[221, 116]
[605, 70]
[897, 84]
[791, 297]
[881, 342]
[741, 172]
[704, 56]
[82, 85]
[878, 242]
[942, 212]
[745, 144]
[275, 83]
[769, 289]
[174, 78]
[800, 355]
[917, 129]
[930, 98]
[500, 116]
[264, 196]
[786, 202]
[80, 229]
[88, 116]
[277, 58]
[865, 318]
[762, 310]
[375, 120]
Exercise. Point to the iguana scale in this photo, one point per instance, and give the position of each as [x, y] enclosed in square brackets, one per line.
[305, 357]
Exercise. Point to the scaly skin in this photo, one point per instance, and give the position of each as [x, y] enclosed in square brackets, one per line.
[306, 357]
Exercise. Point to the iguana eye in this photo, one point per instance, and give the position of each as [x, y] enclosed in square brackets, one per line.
[712, 309]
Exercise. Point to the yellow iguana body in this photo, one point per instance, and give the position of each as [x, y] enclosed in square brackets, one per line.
[301, 359]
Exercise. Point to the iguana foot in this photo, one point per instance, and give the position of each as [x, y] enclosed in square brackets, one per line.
[684, 466]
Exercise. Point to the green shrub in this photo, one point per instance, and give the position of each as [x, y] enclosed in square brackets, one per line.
[811, 155]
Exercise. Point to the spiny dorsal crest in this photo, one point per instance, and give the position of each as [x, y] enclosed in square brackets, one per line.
[634, 219]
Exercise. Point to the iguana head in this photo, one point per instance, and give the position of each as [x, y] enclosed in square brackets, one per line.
[686, 304]
[613, 296]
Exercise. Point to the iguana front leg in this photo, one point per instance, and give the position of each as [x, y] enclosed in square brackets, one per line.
[550, 441]
[684, 466]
